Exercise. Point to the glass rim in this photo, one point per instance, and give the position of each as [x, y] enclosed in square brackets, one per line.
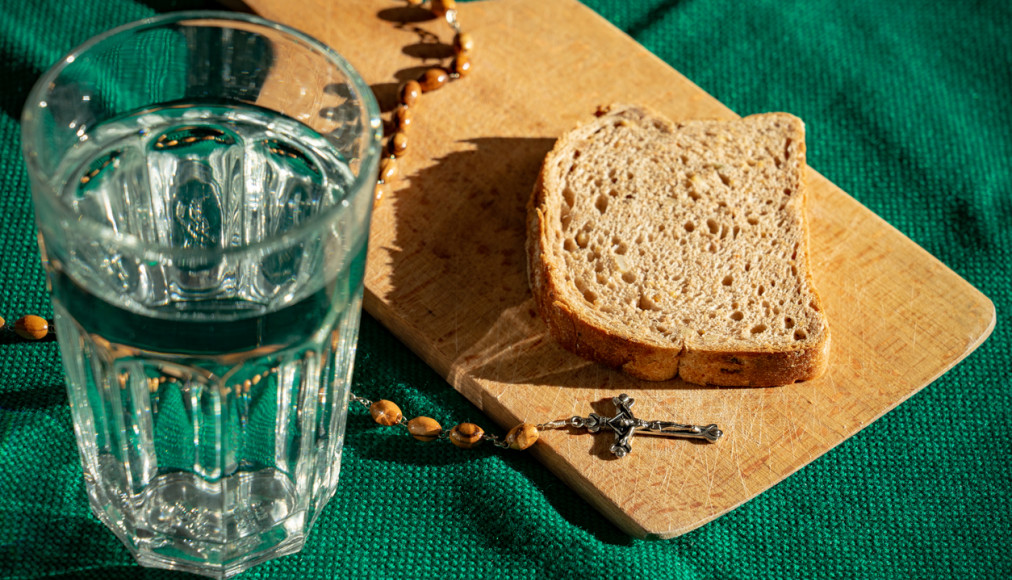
[364, 180]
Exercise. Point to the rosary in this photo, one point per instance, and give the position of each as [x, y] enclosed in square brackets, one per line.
[464, 435]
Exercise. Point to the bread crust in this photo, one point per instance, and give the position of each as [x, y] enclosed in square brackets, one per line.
[645, 358]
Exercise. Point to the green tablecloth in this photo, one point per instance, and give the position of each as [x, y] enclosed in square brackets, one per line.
[909, 108]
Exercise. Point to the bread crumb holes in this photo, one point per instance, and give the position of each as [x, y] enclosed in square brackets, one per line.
[569, 196]
[602, 203]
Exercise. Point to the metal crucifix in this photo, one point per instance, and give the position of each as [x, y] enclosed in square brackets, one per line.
[624, 424]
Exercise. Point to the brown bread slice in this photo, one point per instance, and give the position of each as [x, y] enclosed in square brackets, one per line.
[679, 249]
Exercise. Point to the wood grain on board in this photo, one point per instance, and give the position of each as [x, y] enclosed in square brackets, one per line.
[446, 270]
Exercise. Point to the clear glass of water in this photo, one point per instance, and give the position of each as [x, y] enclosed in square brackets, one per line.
[203, 184]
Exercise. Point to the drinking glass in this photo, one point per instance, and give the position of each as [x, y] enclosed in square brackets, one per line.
[202, 184]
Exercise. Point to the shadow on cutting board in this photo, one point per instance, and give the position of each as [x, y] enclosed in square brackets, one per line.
[459, 271]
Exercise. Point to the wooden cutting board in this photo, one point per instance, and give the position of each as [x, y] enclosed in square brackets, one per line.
[446, 269]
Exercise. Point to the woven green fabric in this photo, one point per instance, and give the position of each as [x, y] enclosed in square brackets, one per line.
[908, 106]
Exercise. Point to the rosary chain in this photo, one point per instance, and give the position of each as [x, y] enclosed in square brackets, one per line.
[360, 400]
[410, 91]
[495, 440]
[463, 435]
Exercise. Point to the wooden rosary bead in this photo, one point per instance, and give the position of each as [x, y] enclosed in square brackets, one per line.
[466, 435]
[415, 2]
[381, 191]
[522, 436]
[385, 412]
[410, 91]
[399, 144]
[388, 169]
[424, 428]
[31, 327]
[441, 7]
[402, 118]
[461, 65]
[433, 79]
[2, 322]
[463, 42]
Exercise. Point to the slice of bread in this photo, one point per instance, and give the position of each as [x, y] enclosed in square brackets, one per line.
[679, 249]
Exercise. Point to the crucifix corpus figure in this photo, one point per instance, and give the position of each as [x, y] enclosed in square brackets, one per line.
[625, 425]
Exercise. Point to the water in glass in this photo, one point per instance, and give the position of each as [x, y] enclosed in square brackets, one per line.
[208, 388]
